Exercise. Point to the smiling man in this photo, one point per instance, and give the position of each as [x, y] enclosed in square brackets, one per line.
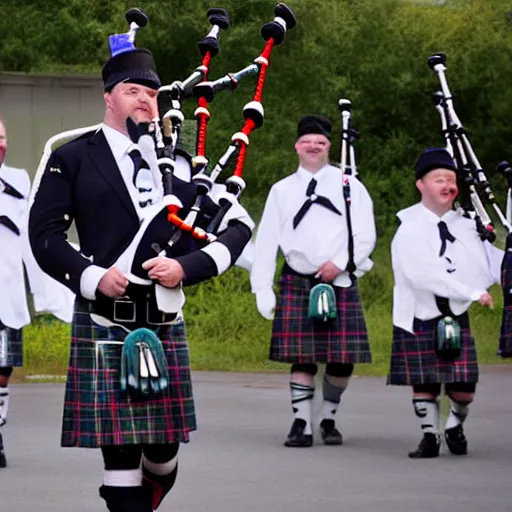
[440, 266]
[305, 216]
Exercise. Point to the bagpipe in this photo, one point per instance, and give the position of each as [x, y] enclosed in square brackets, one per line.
[475, 192]
[159, 144]
[322, 299]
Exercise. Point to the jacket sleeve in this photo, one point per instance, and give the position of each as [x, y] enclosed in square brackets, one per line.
[50, 218]
[218, 256]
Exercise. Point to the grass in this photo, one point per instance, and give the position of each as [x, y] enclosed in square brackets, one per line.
[226, 333]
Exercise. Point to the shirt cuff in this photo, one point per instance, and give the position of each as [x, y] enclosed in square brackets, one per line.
[475, 296]
[90, 279]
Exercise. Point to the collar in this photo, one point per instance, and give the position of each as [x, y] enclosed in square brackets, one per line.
[119, 143]
[433, 218]
[306, 175]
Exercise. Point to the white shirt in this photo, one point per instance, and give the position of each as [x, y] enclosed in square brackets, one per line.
[462, 274]
[321, 235]
[15, 253]
[120, 145]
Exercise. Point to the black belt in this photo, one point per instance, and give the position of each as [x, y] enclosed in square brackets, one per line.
[137, 308]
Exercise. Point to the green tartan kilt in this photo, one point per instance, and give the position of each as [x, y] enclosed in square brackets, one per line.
[14, 347]
[97, 413]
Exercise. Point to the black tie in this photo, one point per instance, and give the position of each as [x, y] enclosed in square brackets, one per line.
[445, 235]
[138, 164]
[9, 189]
[313, 198]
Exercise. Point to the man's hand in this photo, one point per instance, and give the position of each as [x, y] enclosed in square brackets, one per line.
[486, 300]
[328, 272]
[113, 284]
[166, 271]
[266, 303]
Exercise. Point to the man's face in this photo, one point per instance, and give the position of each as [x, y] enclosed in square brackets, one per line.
[313, 150]
[3, 142]
[132, 100]
[439, 187]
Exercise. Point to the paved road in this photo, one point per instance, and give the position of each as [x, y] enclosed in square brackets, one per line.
[236, 460]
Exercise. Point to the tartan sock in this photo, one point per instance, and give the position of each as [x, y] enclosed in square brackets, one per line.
[4, 405]
[458, 413]
[159, 478]
[302, 398]
[332, 396]
[428, 413]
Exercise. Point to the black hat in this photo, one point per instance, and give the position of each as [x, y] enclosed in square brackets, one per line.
[314, 124]
[434, 158]
[135, 66]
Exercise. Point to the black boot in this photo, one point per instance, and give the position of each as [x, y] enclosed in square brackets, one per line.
[296, 438]
[427, 449]
[3, 460]
[456, 440]
[126, 499]
[158, 485]
[330, 434]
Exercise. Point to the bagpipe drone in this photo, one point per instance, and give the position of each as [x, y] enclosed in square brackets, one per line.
[474, 189]
[476, 193]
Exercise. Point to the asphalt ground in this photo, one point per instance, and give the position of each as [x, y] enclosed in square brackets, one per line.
[236, 460]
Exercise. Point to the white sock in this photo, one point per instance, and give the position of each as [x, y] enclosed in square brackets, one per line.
[160, 468]
[302, 399]
[122, 477]
[4, 405]
[458, 414]
[428, 413]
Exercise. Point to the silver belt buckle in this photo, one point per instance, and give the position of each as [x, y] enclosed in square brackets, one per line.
[124, 302]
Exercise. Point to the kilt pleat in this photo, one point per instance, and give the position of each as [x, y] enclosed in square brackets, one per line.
[14, 347]
[298, 339]
[414, 359]
[97, 413]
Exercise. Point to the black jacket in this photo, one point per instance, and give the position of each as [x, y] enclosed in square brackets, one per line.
[82, 182]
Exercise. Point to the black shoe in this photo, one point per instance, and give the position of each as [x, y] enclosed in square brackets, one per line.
[427, 449]
[296, 438]
[456, 440]
[330, 434]
[3, 460]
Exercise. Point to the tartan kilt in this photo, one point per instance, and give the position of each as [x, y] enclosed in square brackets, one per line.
[505, 341]
[96, 413]
[414, 359]
[14, 347]
[298, 339]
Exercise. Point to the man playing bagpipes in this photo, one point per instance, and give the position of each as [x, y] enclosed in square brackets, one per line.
[16, 256]
[440, 267]
[318, 316]
[128, 389]
[443, 261]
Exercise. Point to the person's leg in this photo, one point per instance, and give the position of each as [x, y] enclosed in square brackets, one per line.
[302, 389]
[335, 382]
[159, 469]
[122, 487]
[425, 400]
[5, 374]
[460, 395]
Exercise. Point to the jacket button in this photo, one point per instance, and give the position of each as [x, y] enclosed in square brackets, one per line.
[66, 216]
[67, 277]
